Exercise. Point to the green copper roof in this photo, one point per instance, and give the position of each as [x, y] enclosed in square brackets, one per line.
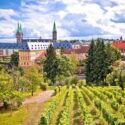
[19, 28]
[54, 27]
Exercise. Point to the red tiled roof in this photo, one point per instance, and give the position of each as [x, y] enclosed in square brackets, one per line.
[82, 49]
[40, 55]
[119, 45]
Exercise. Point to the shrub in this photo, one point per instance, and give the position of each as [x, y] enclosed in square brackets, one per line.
[74, 80]
[67, 81]
[44, 86]
[43, 121]
[81, 83]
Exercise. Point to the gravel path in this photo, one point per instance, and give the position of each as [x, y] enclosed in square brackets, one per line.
[40, 98]
[34, 112]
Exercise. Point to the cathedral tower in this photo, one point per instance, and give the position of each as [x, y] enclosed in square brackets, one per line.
[54, 33]
[19, 33]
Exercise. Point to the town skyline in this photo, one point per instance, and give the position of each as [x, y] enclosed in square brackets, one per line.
[75, 19]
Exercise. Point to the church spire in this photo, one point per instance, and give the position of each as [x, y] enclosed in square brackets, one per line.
[19, 33]
[19, 28]
[54, 27]
[54, 33]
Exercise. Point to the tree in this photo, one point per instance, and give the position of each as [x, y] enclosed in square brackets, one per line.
[5, 87]
[100, 60]
[111, 78]
[117, 76]
[65, 68]
[121, 38]
[50, 64]
[34, 77]
[121, 75]
[90, 63]
[24, 84]
[74, 61]
[8, 94]
[62, 50]
[14, 61]
[113, 54]
[15, 76]
[56, 68]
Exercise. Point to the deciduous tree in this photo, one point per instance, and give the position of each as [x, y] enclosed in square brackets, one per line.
[34, 77]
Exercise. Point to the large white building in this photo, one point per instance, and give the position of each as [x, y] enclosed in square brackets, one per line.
[38, 45]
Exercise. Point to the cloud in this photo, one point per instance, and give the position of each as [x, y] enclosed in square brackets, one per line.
[74, 18]
[7, 22]
[40, 21]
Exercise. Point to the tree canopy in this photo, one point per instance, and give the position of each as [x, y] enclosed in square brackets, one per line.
[14, 61]
[57, 67]
[100, 58]
[34, 77]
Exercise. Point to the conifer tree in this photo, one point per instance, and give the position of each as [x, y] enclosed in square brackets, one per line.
[101, 66]
[90, 63]
[100, 58]
[50, 64]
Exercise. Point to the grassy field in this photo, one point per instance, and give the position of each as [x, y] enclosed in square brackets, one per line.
[16, 118]
[28, 114]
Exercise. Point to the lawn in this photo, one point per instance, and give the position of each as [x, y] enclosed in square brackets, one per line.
[28, 114]
[16, 118]
[25, 115]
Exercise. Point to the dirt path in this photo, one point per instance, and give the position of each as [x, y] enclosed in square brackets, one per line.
[35, 107]
[40, 98]
[76, 112]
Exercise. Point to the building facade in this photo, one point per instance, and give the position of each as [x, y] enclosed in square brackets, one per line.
[80, 53]
[32, 50]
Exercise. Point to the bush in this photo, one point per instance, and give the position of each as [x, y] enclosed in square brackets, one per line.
[43, 121]
[15, 101]
[67, 81]
[44, 86]
[81, 83]
[74, 80]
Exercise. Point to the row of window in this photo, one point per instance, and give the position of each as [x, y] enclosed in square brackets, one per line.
[39, 45]
[24, 58]
[38, 48]
[24, 64]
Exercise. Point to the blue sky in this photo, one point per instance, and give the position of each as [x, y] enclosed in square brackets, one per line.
[81, 19]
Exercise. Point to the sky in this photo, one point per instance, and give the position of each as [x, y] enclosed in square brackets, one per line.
[81, 19]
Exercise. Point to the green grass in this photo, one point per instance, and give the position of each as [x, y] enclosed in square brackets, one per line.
[24, 114]
[16, 118]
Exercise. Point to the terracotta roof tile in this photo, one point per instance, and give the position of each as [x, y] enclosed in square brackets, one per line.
[40, 55]
[82, 49]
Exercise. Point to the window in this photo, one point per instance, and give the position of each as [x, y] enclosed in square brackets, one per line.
[1, 52]
[7, 52]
